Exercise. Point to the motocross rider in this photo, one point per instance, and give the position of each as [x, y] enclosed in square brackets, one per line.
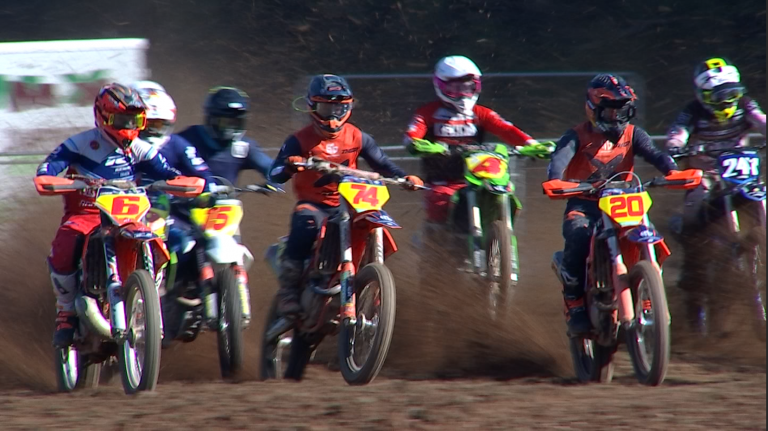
[111, 150]
[221, 141]
[720, 118]
[332, 138]
[595, 150]
[454, 119]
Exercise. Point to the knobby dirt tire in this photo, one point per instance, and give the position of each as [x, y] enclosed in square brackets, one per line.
[229, 336]
[500, 234]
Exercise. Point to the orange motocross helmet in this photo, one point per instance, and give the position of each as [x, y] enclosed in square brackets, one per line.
[330, 100]
[120, 114]
[610, 104]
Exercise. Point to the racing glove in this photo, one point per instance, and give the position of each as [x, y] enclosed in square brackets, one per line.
[290, 166]
[423, 147]
[414, 182]
[536, 149]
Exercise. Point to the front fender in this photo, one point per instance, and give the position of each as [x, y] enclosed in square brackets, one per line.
[644, 235]
[223, 249]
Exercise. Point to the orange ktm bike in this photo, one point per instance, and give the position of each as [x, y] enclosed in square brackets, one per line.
[347, 288]
[117, 305]
[626, 292]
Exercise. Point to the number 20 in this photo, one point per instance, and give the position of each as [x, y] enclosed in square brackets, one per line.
[622, 206]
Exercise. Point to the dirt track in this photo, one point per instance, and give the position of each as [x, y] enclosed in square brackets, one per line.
[448, 368]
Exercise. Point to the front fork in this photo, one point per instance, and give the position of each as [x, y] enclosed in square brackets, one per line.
[476, 249]
[114, 290]
[347, 276]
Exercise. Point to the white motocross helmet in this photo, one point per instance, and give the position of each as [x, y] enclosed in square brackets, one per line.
[457, 82]
[161, 112]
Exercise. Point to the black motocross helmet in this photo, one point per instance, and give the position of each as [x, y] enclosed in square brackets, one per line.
[329, 99]
[225, 110]
[610, 104]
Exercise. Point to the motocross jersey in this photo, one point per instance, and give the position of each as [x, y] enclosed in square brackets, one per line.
[695, 125]
[344, 149]
[584, 154]
[227, 162]
[438, 123]
[183, 157]
[90, 154]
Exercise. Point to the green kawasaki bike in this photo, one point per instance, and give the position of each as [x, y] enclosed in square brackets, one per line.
[491, 207]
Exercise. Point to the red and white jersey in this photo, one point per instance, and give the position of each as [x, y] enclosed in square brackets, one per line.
[437, 123]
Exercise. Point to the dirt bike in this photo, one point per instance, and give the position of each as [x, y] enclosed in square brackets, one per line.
[626, 292]
[737, 251]
[491, 207]
[117, 306]
[347, 289]
[206, 282]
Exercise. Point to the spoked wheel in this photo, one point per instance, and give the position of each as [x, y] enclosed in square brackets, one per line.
[230, 331]
[72, 373]
[139, 355]
[363, 347]
[501, 280]
[591, 361]
[648, 336]
[755, 260]
[273, 358]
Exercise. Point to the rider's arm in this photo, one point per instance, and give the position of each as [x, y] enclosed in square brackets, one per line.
[151, 161]
[566, 148]
[60, 159]
[377, 160]
[681, 128]
[257, 159]
[278, 172]
[755, 115]
[642, 145]
[491, 121]
[189, 162]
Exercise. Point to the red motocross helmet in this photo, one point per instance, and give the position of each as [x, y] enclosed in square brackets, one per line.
[120, 114]
[610, 103]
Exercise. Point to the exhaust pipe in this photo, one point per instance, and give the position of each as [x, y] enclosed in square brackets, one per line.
[88, 311]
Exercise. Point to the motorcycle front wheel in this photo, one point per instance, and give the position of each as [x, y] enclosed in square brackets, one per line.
[363, 347]
[648, 336]
[139, 356]
[230, 331]
[499, 255]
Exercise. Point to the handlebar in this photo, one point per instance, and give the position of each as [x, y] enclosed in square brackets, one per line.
[702, 150]
[335, 169]
[555, 189]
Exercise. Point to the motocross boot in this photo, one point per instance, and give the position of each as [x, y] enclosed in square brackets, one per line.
[291, 272]
[575, 310]
[64, 286]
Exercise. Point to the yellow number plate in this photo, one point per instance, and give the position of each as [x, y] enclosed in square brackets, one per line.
[222, 219]
[364, 197]
[484, 165]
[627, 209]
[124, 208]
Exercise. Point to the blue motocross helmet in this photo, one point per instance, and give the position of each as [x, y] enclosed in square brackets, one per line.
[225, 111]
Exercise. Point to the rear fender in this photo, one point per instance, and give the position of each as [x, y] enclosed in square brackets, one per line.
[223, 249]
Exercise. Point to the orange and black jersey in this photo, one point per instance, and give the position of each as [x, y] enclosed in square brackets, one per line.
[350, 144]
[584, 154]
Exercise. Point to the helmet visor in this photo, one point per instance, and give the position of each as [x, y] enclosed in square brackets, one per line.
[331, 111]
[460, 88]
[127, 121]
[725, 96]
[158, 127]
[618, 111]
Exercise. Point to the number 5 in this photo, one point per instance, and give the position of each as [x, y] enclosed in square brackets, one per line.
[217, 218]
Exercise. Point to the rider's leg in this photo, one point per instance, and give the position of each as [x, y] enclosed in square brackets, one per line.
[306, 221]
[442, 234]
[693, 276]
[580, 217]
[66, 250]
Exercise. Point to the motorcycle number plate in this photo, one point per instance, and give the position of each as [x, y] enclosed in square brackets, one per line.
[626, 209]
[124, 208]
[222, 219]
[486, 166]
[739, 168]
[364, 196]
